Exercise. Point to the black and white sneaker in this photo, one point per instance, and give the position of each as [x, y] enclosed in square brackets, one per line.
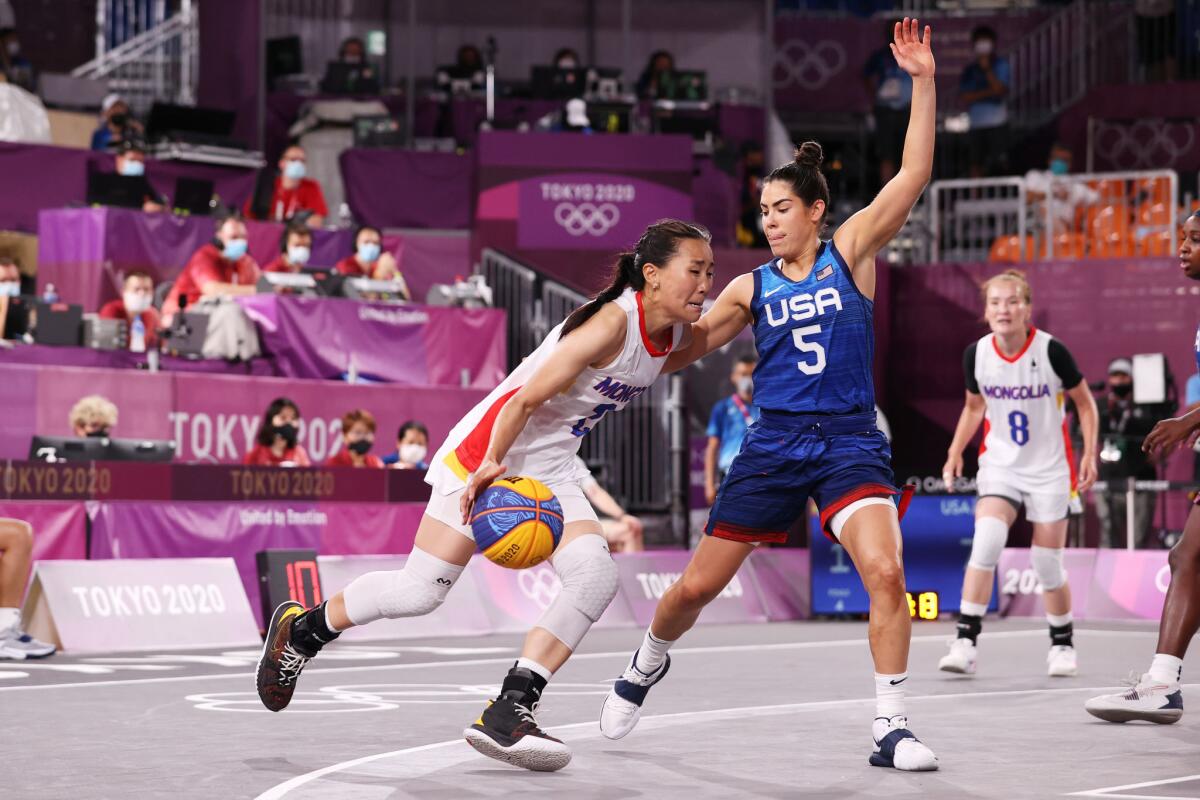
[898, 748]
[507, 730]
[623, 705]
[1146, 699]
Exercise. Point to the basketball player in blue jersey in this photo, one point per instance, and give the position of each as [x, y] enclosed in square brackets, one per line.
[810, 310]
[1157, 697]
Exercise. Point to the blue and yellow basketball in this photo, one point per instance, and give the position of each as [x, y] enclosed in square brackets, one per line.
[517, 522]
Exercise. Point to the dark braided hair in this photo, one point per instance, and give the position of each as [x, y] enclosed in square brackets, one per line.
[804, 176]
[658, 244]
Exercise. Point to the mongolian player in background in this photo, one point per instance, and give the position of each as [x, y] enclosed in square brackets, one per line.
[1016, 377]
[811, 311]
[1156, 695]
[600, 358]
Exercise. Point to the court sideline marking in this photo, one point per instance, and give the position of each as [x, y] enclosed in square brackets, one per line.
[1105, 792]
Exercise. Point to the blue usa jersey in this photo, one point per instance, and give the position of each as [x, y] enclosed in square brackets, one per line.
[814, 338]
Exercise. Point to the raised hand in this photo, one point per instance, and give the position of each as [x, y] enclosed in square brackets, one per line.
[913, 52]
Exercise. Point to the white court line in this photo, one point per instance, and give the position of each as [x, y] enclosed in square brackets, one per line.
[623, 654]
[1106, 791]
[281, 790]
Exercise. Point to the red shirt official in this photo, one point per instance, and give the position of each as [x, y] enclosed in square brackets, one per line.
[286, 203]
[115, 309]
[263, 456]
[342, 459]
[207, 265]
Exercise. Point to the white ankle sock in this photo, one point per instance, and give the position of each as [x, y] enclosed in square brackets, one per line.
[534, 667]
[1167, 669]
[972, 609]
[889, 694]
[329, 622]
[9, 617]
[1058, 620]
[651, 654]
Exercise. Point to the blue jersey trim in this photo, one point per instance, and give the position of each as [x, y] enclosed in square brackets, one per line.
[757, 294]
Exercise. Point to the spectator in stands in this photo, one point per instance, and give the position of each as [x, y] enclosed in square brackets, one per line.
[116, 123]
[93, 416]
[468, 61]
[371, 260]
[891, 90]
[16, 550]
[287, 194]
[1123, 426]
[727, 425]
[358, 437]
[983, 88]
[10, 277]
[131, 163]
[1155, 22]
[136, 303]
[412, 445]
[661, 63]
[220, 268]
[295, 249]
[277, 442]
[13, 65]
[352, 51]
[623, 531]
[566, 58]
[1068, 196]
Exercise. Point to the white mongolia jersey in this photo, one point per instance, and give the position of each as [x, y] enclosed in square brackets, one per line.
[546, 448]
[1024, 429]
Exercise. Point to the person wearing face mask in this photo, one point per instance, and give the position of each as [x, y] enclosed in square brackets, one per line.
[566, 58]
[358, 437]
[116, 123]
[983, 89]
[133, 191]
[13, 65]
[370, 259]
[727, 425]
[93, 416]
[295, 249]
[220, 268]
[292, 195]
[10, 278]
[412, 445]
[137, 296]
[1123, 426]
[277, 442]
[1068, 194]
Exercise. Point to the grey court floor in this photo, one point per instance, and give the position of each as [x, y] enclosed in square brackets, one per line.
[775, 711]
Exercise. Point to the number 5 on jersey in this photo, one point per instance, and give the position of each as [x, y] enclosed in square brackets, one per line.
[798, 335]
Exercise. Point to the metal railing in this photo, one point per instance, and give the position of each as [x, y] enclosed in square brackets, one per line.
[638, 449]
[145, 54]
[1092, 215]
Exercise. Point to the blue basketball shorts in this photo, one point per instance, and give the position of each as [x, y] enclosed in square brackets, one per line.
[786, 459]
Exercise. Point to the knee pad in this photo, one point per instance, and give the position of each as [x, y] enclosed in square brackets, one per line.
[589, 583]
[1047, 563]
[416, 590]
[990, 535]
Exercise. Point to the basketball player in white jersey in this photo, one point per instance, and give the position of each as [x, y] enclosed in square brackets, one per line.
[596, 361]
[1016, 379]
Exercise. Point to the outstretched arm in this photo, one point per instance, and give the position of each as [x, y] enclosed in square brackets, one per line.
[865, 233]
[968, 423]
[725, 320]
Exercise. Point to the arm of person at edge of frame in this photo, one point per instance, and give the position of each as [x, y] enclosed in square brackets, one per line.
[725, 320]
[1170, 433]
[595, 342]
[968, 422]
[862, 236]
[1089, 424]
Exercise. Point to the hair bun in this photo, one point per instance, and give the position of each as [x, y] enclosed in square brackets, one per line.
[810, 155]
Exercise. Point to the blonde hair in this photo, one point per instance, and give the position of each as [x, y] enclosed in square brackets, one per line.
[1014, 275]
[93, 408]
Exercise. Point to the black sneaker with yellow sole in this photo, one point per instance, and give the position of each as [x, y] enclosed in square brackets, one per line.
[507, 730]
[294, 637]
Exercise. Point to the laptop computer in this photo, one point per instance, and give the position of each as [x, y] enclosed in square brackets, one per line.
[193, 196]
[329, 282]
[192, 125]
[122, 191]
[342, 77]
[555, 83]
[59, 324]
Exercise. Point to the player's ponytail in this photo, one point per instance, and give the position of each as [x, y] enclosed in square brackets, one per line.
[803, 175]
[657, 245]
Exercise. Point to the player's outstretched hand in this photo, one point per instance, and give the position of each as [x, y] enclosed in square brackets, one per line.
[951, 470]
[912, 52]
[481, 478]
[1167, 434]
[1087, 474]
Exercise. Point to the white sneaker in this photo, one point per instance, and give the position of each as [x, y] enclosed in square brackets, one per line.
[18, 645]
[1147, 699]
[896, 747]
[960, 659]
[623, 706]
[1061, 662]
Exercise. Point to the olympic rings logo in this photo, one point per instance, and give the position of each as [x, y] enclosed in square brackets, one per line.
[589, 218]
[1146, 144]
[810, 66]
[541, 585]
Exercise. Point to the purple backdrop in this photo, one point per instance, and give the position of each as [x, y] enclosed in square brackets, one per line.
[1164, 136]
[47, 355]
[230, 75]
[203, 530]
[214, 417]
[403, 189]
[59, 529]
[310, 337]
